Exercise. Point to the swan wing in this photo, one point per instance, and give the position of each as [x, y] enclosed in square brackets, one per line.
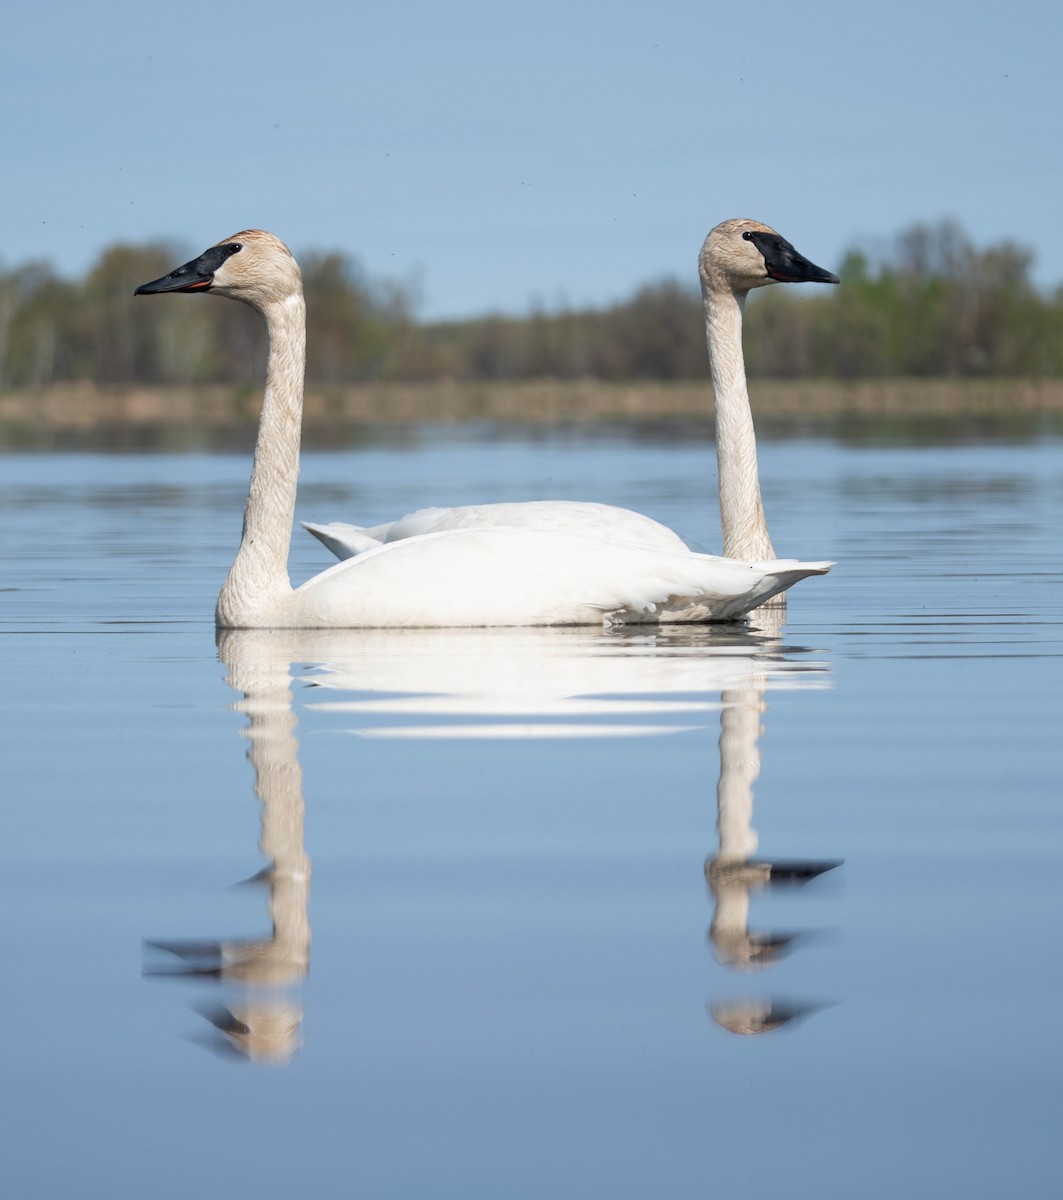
[604, 521]
[345, 541]
[509, 576]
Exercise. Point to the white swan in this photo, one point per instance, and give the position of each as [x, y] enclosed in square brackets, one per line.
[737, 256]
[466, 577]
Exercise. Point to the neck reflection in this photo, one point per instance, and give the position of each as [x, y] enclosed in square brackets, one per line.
[733, 874]
[262, 1020]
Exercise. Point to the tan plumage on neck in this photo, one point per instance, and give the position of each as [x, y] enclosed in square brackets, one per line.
[737, 256]
[258, 577]
[729, 268]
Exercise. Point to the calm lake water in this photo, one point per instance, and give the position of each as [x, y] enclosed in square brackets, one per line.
[764, 910]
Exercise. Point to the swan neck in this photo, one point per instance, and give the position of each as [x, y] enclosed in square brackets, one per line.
[745, 530]
[259, 575]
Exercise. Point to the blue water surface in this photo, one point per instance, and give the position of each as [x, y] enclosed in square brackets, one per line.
[529, 929]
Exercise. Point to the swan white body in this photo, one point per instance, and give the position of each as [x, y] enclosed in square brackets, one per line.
[737, 255]
[498, 576]
[459, 577]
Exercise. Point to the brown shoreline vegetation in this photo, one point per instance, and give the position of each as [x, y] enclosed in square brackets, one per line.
[929, 335]
[84, 407]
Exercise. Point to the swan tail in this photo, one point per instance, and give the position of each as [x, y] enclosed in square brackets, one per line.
[782, 574]
[794, 568]
[732, 589]
[345, 541]
[709, 588]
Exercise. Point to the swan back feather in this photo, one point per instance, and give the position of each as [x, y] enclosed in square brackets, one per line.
[557, 516]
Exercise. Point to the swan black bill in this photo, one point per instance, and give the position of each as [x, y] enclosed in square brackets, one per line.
[194, 276]
[785, 264]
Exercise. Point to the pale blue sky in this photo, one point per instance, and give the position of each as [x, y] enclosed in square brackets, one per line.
[502, 154]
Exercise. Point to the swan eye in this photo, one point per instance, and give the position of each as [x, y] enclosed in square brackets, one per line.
[747, 236]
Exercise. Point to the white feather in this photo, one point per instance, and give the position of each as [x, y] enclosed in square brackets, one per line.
[603, 521]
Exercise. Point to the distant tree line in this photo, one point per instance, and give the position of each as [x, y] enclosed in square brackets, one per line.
[930, 303]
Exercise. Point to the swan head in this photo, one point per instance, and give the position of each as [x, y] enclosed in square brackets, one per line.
[253, 266]
[741, 254]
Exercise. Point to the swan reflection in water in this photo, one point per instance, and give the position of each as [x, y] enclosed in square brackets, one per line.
[515, 683]
[264, 1022]
[733, 874]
